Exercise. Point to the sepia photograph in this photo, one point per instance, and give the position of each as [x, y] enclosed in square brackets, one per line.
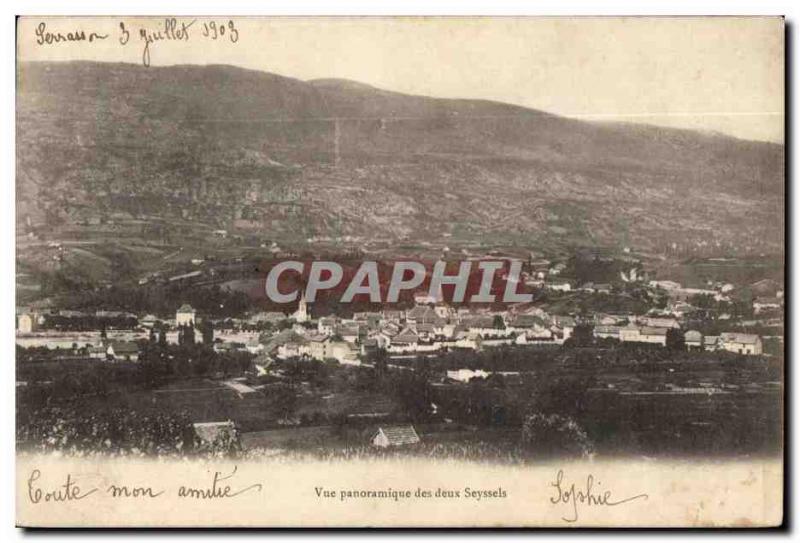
[400, 271]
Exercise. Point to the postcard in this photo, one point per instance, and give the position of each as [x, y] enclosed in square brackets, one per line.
[513, 272]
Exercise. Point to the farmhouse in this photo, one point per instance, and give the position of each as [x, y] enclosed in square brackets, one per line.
[765, 304]
[645, 334]
[395, 436]
[123, 350]
[693, 340]
[741, 343]
[185, 315]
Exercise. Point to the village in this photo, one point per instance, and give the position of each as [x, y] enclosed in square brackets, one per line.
[395, 376]
[430, 326]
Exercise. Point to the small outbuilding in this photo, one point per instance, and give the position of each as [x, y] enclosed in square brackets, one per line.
[395, 436]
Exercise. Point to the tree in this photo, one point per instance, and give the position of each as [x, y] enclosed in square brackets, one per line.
[414, 394]
[207, 329]
[555, 436]
[186, 335]
[284, 400]
[583, 335]
[675, 340]
[564, 395]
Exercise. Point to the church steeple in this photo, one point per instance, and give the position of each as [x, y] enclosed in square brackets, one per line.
[301, 315]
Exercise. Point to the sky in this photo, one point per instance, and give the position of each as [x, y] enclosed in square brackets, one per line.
[718, 74]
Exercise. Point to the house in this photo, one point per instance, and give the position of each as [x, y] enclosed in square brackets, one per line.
[426, 332]
[604, 319]
[735, 342]
[540, 336]
[395, 436]
[679, 308]
[26, 323]
[422, 298]
[407, 339]
[387, 333]
[464, 375]
[711, 343]
[606, 332]
[693, 340]
[423, 314]
[344, 352]
[371, 320]
[318, 346]
[466, 340]
[523, 323]
[488, 326]
[686, 293]
[286, 344]
[148, 321]
[659, 322]
[254, 346]
[666, 285]
[644, 334]
[558, 285]
[97, 352]
[392, 315]
[564, 326]
[122, 350]
[185, 315]
[764, 303]
[326, 325]
[348, 331]
[443, 311]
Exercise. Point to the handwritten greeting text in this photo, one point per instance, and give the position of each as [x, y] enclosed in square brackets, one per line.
[170, 29]
[220, 487]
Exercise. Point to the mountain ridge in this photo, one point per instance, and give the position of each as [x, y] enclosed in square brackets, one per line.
[277, 159]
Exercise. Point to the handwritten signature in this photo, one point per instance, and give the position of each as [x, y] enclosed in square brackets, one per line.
[585, 496]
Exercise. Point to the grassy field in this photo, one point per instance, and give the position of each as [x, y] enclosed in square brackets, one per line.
[692, 406]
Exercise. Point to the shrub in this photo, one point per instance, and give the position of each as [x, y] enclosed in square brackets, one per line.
[555, 436]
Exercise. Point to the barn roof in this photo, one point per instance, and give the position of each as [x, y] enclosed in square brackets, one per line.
[121, 347]
[693, 335]
[400, 435]
[406, 336]
[653, 331]
[734, 337]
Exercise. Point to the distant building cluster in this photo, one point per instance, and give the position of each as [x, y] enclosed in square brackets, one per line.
[431, 326]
